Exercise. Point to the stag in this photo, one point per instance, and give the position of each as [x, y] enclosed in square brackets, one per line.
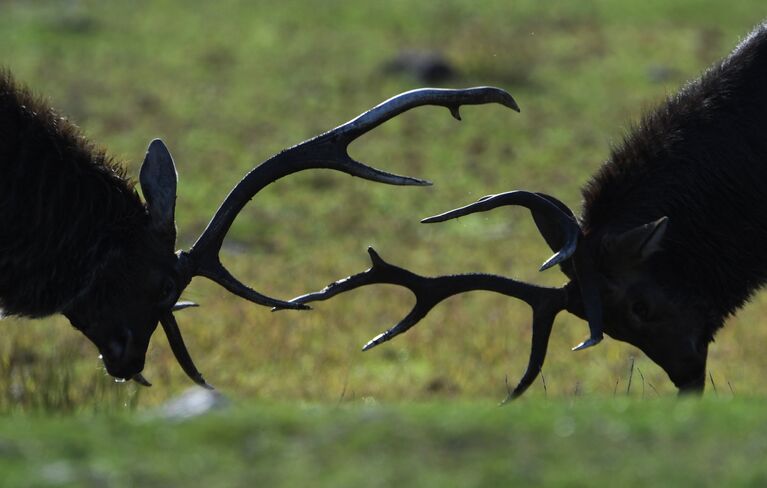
[669, 242]
[76, 238]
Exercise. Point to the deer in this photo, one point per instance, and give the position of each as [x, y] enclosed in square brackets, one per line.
[669, 241]
[77, 239]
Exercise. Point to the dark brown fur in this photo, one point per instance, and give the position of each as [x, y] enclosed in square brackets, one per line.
[700, 159]
[75, 238]
[66, 209]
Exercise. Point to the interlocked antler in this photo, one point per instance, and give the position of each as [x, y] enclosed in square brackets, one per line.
[561, 232]
[329, 151]
[429, 291]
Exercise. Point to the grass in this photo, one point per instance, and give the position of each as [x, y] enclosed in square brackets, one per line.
[582, 442]
[229, 83]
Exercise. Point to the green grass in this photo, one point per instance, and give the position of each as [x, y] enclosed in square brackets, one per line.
[584, 442]
[229, 84]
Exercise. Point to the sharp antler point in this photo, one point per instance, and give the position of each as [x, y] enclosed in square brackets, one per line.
[374, 256]
[374, 342]
[590, 342]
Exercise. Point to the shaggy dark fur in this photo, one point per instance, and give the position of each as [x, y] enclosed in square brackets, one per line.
[701, 160]
[66, 210]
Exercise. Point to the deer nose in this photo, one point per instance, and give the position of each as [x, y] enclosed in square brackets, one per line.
[120, 356]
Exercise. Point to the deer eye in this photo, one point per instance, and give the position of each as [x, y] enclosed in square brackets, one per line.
[641, 310]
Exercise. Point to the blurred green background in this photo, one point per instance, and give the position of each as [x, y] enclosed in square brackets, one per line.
[226, 84]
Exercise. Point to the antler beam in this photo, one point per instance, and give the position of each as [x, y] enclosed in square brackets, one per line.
[561, 231]
[429, 291]
[329, 151]
[559, 228]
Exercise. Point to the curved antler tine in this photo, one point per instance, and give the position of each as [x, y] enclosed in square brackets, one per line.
[418, 312]
[449, 98]
[536, 203]
[559, 228]
[329, 151]
[180, 351]
[545, 302]
[591, 299]
[356, 168]
[384, 273]
[139, 378]
[543, 321]
[181, 305]
[379, 272]
[215, 271]
[551, 231]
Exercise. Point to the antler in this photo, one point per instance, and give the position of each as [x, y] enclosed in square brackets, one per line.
[169, 325]
[537, 204]
[560, 230]
[429, 291]
[328, 150]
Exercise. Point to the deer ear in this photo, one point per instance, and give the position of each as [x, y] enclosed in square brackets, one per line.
[637, 244]
[158, 180]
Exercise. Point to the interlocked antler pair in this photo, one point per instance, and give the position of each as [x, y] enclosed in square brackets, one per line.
[560, 230]
[328, 151]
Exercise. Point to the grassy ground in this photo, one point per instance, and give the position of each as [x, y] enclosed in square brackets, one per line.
[229, 83]
[584, 442]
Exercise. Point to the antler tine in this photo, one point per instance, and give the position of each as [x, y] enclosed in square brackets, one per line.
[559, 228]
[328, 151]
[169, 325]
[210, 267]
[534, 202]
[543, 321]
[139, 378]
[452, 99]
[429, 291]
[382, 272]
